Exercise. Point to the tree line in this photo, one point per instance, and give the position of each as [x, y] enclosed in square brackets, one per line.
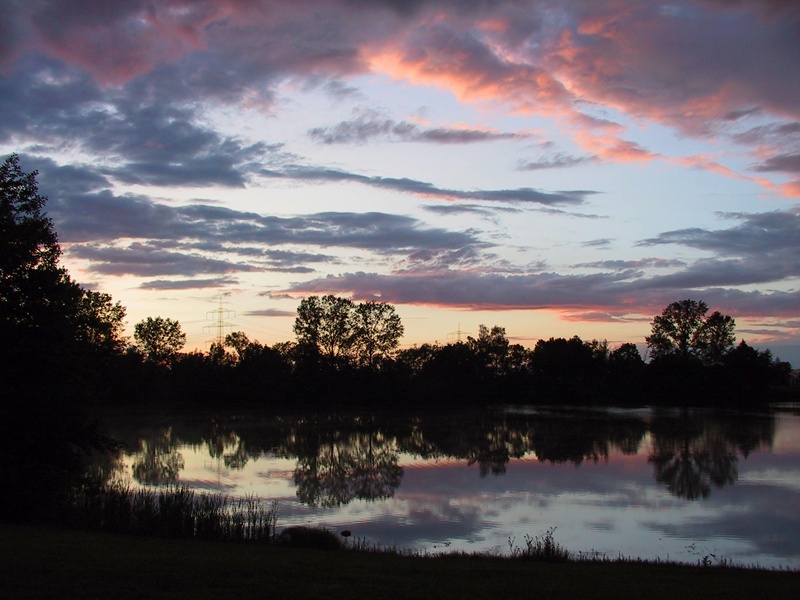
[64, 342]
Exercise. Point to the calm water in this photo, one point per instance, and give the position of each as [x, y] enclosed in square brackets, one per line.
[638, 483]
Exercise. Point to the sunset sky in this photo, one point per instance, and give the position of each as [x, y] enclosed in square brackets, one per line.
[554, 167]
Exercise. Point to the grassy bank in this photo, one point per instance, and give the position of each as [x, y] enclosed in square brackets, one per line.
[50, 563]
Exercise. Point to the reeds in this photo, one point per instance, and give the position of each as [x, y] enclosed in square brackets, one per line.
[175, 512]
[542, 548]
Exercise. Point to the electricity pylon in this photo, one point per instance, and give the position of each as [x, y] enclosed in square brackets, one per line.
[218, 316]
[457, 333]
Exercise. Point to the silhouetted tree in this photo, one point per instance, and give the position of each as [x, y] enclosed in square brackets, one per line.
[160, 338]
[345, 333]
[491, 347]
[100, 322]
[38, 300]
[239, 341]
[626, 370]
[326, 324]
[563, 367]
[683, 330]
[377, 332]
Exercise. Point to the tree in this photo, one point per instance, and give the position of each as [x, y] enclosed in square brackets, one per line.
[492, 347]
[241, 344]
[625, 359]
[35, 292]
[326, 324]
[100, 322]
[27, 238]
[161, 339]
[377, 331]
[342, 331]
[683, 330]
[718, 338]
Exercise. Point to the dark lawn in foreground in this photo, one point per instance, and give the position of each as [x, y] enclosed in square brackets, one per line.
[48, 563]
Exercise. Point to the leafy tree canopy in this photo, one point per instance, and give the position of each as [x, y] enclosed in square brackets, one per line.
[161, 339]
[683, 330]
[341, 330]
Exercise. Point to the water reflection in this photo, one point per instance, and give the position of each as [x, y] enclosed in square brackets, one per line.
[690, 454]
[336, 466]
[341, 458]
[157, 461]
[224, 443]
[645, 483]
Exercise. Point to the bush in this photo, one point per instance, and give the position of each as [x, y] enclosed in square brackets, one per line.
[309, 537]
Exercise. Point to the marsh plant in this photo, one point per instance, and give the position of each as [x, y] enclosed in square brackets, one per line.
[176, 512]
[543, 548]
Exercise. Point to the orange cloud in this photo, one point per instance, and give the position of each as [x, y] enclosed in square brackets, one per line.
[526, 89]
[612, 148]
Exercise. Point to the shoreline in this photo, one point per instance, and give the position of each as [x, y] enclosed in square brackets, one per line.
[42, 561]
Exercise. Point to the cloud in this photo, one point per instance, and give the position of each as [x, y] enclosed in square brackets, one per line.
[475, 209]
[642, 263]
[598, 243]
[558, 161]
[145, 261]
[787, 163]
[187, 284]
[628, 294]
[772, 236]
[371, 127]
[270, 312]
[104, 217]
[140, 142]
[472, 290]
[428, 190]
[111, 103]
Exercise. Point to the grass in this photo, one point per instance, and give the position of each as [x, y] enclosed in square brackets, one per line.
[41, 562]
[176, 512]
[542, 548]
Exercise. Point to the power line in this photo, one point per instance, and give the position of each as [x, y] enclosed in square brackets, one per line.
[218, 316]
[458, 333]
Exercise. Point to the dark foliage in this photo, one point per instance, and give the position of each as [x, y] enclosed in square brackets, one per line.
[63, 354]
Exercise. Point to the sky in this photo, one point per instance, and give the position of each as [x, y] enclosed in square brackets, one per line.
[553, 167]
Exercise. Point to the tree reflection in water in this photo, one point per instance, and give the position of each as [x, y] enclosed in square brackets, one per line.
[335, 467]
[158, 461]
[692, 453]
[341, 458]
[223, 443]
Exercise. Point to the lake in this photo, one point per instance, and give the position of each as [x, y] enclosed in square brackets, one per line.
[652, 483]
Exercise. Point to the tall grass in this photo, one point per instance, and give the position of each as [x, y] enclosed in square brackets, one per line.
[543, 548]
[175, 512]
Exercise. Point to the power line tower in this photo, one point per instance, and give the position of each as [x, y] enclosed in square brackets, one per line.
[458, 333]
[219, 315]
